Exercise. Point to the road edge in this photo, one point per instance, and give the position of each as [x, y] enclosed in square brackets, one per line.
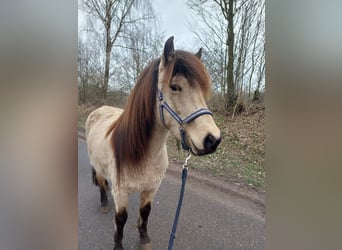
[223, 186]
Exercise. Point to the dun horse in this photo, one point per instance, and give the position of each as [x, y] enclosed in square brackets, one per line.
[128, 147]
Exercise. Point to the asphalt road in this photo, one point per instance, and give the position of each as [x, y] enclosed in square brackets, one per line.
[210, 219]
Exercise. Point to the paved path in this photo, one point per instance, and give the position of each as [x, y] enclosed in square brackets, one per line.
[210, 219]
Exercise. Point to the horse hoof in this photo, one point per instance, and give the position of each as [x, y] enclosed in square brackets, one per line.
[118, 248]
[104, 209]
[147, 246]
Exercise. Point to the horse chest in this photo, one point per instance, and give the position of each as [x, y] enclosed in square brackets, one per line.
[151, 178]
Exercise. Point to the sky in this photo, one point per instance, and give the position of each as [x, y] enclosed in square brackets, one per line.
[173, 17]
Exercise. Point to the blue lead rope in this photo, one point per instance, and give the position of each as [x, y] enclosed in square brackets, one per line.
[180, 201]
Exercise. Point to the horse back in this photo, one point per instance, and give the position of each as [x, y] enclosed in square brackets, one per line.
[99, 149]
[102, 118]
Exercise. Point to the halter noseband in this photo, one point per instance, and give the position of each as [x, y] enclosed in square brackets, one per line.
[163, 105]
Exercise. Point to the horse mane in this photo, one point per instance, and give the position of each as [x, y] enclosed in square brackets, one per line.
[193, 69]
[132, 131]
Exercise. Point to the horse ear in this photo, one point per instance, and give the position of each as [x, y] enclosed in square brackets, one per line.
[199, 53]
[169, 51]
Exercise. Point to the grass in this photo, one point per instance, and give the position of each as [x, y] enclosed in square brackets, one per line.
[240, 157]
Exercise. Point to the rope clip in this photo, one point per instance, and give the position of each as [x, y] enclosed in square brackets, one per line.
[185, 165]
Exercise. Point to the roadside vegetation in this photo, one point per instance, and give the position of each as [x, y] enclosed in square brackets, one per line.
[240, 158]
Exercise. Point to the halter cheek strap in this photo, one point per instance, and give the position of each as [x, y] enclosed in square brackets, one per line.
[182, 122]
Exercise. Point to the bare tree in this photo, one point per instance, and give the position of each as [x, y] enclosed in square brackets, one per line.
[139, 44]
[233, 34]
[212, 36]
[222, 32]
[122, 47]
[113, 15]
[143, 44]
[83, 72]
[90, 73]
[228, 13]
[260, 76]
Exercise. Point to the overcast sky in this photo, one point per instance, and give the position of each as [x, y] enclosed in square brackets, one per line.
[174, 16]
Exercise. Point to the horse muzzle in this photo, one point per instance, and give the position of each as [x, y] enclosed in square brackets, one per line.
[210, 144]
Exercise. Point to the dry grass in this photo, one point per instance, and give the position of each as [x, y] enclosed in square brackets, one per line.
[240, 157]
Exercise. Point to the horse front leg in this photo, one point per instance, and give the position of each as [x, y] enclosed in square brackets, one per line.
[121, 202]
[146, 199]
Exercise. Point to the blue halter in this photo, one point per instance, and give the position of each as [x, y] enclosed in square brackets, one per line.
[163, 105]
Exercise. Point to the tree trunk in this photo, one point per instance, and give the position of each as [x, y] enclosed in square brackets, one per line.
[231, 93]
[109, 45]
[261, 74]
[106, 73]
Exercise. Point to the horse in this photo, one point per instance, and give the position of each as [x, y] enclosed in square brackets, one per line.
[128, 147]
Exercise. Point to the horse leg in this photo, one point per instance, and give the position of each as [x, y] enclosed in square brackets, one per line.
[121, 203]
[102, 183]
[146, 198]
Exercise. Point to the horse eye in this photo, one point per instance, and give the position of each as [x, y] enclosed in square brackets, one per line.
[175, 88]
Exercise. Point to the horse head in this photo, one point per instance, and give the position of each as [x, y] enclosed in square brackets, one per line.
[183, 87]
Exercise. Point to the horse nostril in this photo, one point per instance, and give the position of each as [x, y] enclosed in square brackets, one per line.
[211, 143]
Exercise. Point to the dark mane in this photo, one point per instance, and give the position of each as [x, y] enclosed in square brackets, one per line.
[132, 131]
[192, 68]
